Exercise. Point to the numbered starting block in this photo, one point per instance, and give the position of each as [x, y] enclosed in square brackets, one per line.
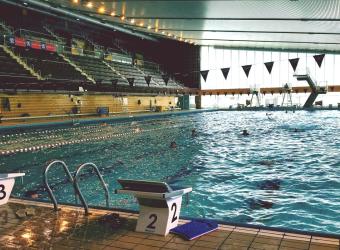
[6, 185]
[160, 204]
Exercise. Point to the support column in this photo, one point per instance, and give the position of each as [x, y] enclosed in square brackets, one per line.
[198, 101]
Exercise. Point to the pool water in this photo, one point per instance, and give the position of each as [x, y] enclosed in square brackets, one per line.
[284, 174]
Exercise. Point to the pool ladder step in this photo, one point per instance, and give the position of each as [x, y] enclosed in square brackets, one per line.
[74, 180]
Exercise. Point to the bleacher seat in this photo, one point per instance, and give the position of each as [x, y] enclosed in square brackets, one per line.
[11, 72]
[59, 74]
[49, 64]
[95, 68]
[129, 71]
[153, 71]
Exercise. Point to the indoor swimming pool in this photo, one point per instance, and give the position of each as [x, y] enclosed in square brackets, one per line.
[284, 174]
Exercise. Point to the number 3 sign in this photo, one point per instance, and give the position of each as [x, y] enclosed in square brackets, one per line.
[6, 186]
[160, 219]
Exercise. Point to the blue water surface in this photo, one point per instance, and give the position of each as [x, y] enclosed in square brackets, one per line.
[284, 174]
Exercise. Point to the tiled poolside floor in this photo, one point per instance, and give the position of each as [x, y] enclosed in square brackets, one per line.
[42, 228]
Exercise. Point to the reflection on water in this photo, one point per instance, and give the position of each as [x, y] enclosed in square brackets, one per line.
[285, 173]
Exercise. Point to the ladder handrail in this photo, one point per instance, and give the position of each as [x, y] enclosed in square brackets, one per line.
[49, 190]
[77, 189]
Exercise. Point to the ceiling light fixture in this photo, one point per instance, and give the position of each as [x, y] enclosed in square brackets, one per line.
[101, 9]
[89, 5]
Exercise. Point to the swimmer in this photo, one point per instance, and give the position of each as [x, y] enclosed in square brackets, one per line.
[193, 132]
[269, 116]
[245, 132]
[32, 194]
[137, 130]
[173, 144]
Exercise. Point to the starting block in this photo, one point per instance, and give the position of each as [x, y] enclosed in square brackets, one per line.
[160, 204]
[6, 185]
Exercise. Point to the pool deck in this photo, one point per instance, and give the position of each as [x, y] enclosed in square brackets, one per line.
[39, 227]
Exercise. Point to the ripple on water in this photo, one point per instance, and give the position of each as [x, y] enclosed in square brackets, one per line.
[275, 177]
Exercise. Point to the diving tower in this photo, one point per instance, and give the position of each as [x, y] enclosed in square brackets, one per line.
[315, 89]
[255, 92]
[287, 95]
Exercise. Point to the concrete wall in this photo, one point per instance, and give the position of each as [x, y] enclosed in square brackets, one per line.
[42, 104]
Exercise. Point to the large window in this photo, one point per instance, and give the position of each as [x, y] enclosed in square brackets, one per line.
[213, 59]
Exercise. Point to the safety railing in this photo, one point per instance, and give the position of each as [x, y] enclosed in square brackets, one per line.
[78, 191]
[74, 181]
[49, 190]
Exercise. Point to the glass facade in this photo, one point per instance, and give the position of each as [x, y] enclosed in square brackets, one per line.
[214, 59]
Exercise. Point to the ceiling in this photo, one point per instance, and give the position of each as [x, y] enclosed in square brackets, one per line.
[270, 24]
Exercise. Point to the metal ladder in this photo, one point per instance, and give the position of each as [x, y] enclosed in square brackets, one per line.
[78, 191]
[74, 181]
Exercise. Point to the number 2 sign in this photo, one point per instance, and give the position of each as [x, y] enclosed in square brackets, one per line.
[159, 220]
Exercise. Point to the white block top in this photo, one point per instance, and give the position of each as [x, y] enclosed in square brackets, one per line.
[10, 175]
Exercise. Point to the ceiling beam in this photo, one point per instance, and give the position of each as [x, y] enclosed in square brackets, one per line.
[238, 19]
[259, 41]
[252, 31]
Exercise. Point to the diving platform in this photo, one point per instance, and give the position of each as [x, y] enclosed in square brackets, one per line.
[315, 89]
[255, 92]
[287, 95]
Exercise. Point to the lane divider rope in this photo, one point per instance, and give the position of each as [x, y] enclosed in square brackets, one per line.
[54, 145]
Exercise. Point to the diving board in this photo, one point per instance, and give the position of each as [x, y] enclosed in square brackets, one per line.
[6, 185]
[315, 90]
[160, 204]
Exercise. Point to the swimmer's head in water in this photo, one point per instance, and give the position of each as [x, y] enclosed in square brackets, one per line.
[32, 194]
[245, 132]
[173, 144]
[193, 132]
[137, 130]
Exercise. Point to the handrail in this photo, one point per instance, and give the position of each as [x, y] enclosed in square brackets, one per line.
[49, 190]
[79, 193]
